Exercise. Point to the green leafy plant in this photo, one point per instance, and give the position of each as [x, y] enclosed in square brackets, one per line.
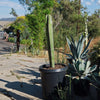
[11, 39]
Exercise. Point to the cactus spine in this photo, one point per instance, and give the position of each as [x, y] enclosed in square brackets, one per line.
[50, 42]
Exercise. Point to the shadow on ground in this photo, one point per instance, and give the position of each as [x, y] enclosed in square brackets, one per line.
[11, 95]
[6, 47]
[33, 90]
[5, 50]
[30, 72]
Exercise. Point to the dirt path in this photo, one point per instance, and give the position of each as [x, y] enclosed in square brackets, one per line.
[19, 75]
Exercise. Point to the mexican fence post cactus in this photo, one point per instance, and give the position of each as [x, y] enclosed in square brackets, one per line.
[50, 42]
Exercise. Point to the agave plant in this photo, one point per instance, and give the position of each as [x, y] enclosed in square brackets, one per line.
[80, 65]
[83, 68]
[76, 48]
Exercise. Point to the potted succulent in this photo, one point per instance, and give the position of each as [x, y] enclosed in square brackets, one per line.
[51, 74]
[79, 66]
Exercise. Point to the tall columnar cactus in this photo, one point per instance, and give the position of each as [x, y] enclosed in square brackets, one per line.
[50, 42]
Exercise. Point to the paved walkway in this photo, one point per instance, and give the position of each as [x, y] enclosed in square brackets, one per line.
[19, 75]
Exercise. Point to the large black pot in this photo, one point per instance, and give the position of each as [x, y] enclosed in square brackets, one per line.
[51, 78]
[81, 87]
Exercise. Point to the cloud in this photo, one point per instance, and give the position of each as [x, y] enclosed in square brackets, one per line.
[92, 0]
[6, 5]
[88, 3]
[98, 1]
[11, 4]
[81, 0]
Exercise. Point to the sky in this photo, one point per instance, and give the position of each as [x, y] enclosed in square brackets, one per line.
[91, 5]
[6, 5]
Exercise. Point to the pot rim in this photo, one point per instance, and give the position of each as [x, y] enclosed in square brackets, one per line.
[42, 69]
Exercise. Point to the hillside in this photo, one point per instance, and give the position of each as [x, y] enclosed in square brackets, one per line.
[4, 23]
[7, 19]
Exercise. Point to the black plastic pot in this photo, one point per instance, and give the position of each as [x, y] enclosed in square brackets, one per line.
[98, 94]
[81, 87]
[51, 78]
[98, 87]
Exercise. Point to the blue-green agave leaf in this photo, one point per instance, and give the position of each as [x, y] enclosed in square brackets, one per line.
[88, 64]
[68, 42]
[72, 40]
[76, 43]
[93, 68]
[79, 45]
[70, 56]
[87, 71]
[77, 65]
[82, 66]
[87, 46]
[84, 55]
[87, 68]
[80, 48]
[74, 51]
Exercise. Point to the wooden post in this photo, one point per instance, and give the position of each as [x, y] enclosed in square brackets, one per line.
[18, 40]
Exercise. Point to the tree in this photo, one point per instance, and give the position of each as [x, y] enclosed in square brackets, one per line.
[19, 27]
[94, 24]
[13, 12]
[66, 17]
[36, 19]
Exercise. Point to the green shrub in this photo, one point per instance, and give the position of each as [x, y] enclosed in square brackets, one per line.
[95, 57]
[11, 39]
[27, 42]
